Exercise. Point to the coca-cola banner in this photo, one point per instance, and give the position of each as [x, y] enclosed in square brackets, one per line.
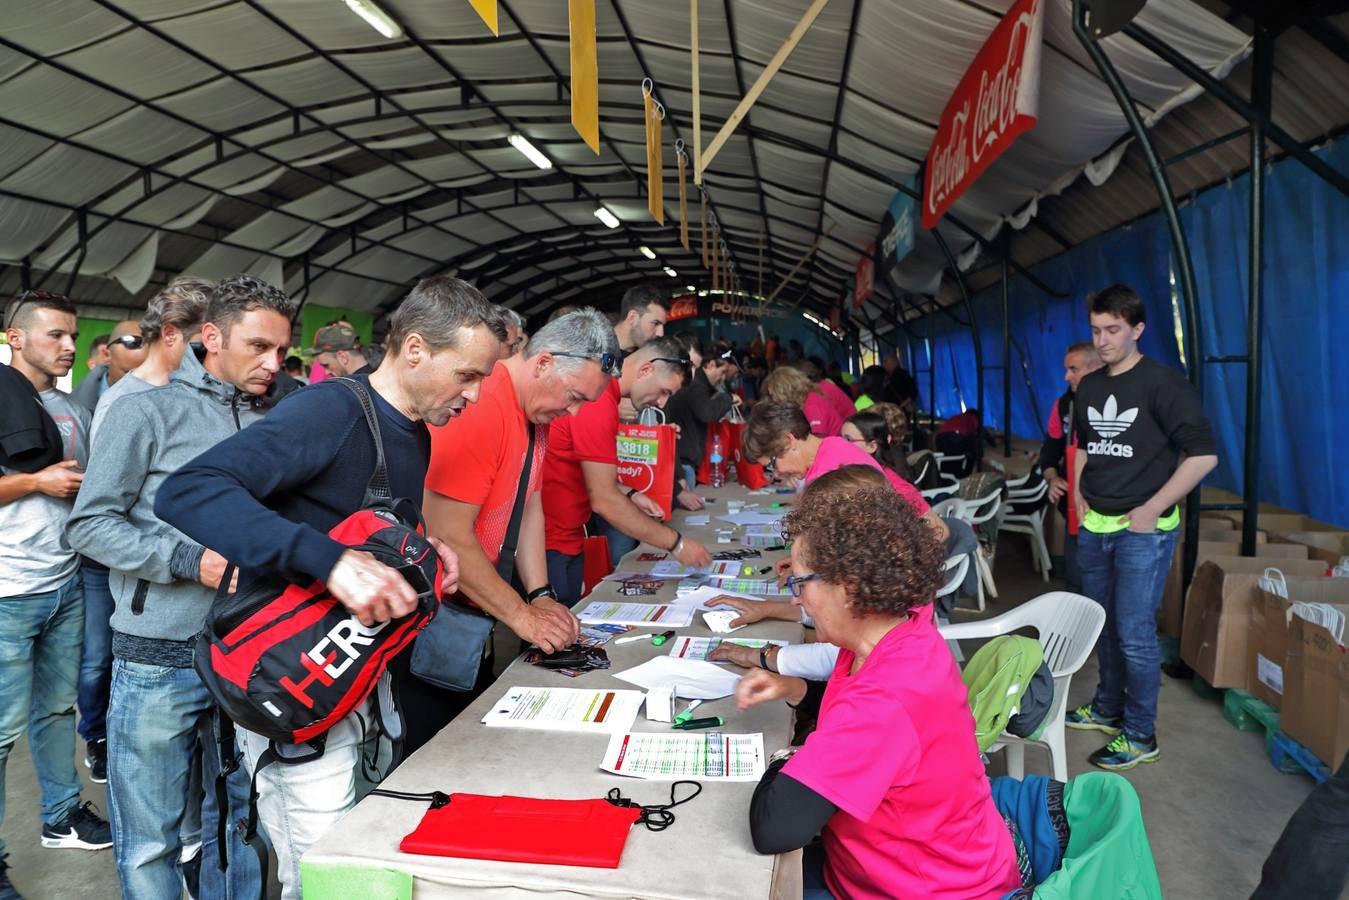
[997, 100]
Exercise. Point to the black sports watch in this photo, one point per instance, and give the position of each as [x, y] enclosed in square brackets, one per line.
[545, 591]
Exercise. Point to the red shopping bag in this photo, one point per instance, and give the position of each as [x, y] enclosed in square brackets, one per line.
[749, 473]
[646, 461]
[595, 562]
[722, 428]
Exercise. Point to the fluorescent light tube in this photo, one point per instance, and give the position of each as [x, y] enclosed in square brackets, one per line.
[607, 217]
[529, 151]
[671, 272]
[375, 17]
[647, 252]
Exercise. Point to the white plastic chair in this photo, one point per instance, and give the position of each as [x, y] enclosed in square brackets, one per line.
[956, 567]
[1026, 515]
[972, 512]
[1067, 626]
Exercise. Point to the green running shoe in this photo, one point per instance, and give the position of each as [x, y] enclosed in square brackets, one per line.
[1084, 718]
[1125, 752]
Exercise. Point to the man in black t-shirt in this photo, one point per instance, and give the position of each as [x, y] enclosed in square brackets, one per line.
[1143, 443]
[1058, 449]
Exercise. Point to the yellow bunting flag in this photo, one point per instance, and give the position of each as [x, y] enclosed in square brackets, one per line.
[487, 11]
[585, 72]
[683, 196]
[655, 158]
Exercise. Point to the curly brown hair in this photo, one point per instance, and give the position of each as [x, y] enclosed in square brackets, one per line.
[869, 541]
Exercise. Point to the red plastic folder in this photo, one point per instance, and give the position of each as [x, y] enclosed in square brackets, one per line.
[525, 829]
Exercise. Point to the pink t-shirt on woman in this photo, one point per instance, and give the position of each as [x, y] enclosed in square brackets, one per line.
[895, 752]
[837, 452]
[823, 417]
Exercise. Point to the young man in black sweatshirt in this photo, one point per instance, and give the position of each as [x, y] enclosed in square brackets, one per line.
[267, 497]
[1143, 443]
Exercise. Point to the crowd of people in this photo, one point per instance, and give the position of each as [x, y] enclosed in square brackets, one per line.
[196, 454]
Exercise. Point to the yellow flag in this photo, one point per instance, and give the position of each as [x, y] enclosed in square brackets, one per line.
[655, 160]
[683, 201]
[487, 11]
[585, 72]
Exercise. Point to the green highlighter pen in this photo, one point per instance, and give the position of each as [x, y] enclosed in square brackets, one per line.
[661, 638]
[689, 724]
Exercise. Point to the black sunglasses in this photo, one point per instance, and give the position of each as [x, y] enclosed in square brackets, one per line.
[32, 296]
[129, 341]
[683, 363]
[609, 364]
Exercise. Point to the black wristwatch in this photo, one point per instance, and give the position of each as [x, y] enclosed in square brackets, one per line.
[545, 591]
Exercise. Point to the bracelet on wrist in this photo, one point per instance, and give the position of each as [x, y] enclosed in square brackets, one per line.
[631, 491]
[545, 591]
[679, 540]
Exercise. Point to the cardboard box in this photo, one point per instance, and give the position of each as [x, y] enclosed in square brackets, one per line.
[1327, 546]
[1227, 543]
[1270, 632]
[1277, 523]
[1218, 614]
[1316, 677]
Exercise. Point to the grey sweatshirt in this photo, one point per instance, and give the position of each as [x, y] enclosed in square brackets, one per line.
[159, 604]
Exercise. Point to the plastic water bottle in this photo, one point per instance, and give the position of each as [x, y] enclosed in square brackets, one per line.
[717, 461]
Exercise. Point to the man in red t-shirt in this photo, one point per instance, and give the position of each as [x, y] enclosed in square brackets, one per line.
[580, 471]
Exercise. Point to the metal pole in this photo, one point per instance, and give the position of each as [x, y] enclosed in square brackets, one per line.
[1006, 349]
[1262, 73]
[1179, 246]
[974, 333]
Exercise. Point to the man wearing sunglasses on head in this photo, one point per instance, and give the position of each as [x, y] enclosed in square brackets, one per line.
[126, 351]
[580, 472]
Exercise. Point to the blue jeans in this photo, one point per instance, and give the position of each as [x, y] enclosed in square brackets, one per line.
[40, 638]
[1125, 573]
[156, 718]
[690, 476]
[620, 545]
[1072, 575]
[566, 573]
[96, 657]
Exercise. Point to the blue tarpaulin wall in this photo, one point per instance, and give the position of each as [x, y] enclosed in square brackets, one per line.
[1306, 305]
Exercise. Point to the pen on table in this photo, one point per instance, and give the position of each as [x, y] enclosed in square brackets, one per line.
[630, 638]
[765, 570]
[687, 712]
[690, 724]
[661, 638]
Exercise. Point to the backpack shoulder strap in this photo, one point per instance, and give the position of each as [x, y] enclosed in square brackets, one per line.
[377, 490]
[506, 559]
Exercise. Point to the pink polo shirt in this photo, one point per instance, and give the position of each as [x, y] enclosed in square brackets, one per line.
[895, 752]
[823, 417]
[837, 452]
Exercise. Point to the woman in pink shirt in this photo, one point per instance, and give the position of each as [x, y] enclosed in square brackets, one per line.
[787, 384]
[891, 779]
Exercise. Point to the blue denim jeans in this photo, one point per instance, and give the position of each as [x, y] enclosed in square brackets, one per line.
[566, 573]
[40, 638]
[96, 656]
[1072, 570]
[813, 885]
[1125, 573]
[157, 717]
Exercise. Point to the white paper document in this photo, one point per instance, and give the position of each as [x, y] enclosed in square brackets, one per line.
[719, 567]
[751, 517]
[699, 597]
[707, 756]
[720, 620]
[565, 709]
[690, 679]
[616, 613]
[702, 647]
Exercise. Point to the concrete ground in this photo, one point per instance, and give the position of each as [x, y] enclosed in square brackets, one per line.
[1213, 804]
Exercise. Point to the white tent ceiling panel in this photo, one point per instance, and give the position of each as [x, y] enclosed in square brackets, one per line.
[670, 68]
[381, 128]
[157, 10]
[789, 166]
[345, 291]
[328, 26]
[432, 243]
[235, 36]
[268, 231]
[903, 134]
[509, 54]
[325, 203]
[395, 68]
[306, 82]
[20, 147]
[159, 65]
[55, 26]
[761, 27]
[788, 203]
[55, 102]
[221, 105]
[791, 127]
[140, 135]
[12, 63]
[135, 270]
[66, 174]
[221, 261]
[668, 23]
[436, 19]
[479, 229]
[103, 252]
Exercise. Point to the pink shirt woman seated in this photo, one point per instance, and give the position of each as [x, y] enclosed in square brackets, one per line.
[891, 779]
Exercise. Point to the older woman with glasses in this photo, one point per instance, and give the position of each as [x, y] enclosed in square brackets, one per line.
[891, 779]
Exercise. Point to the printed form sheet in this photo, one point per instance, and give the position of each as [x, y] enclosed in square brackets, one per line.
[710, 756]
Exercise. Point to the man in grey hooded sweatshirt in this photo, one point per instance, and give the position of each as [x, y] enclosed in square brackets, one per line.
[163, 583]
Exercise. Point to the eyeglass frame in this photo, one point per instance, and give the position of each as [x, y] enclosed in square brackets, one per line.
[610, 364]
[682, 363]
[795, 583]
[28, 296]
[123, 340]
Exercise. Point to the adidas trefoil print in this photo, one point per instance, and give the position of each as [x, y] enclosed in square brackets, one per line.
[1110, 422]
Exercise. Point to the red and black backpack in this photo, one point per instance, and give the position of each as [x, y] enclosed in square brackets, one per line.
[288, 661]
